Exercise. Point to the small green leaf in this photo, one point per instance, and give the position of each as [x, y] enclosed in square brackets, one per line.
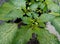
[27, 20]
[42, 5]
[29, 14]
[33, 7]
[35, 15]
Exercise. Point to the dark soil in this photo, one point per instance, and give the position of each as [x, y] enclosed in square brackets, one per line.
[33, 40]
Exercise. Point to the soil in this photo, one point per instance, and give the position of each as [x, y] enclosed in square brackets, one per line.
[33, 40]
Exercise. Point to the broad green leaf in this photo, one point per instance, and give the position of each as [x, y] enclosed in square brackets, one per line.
[14, 14]
[45, 37]
[23, 35]
[19, 4]
[56, 23]
[47, 17]
[52, 6]
[5, 9]
[7, 33]
[8, 12]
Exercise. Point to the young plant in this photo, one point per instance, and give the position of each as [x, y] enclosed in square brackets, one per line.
[24, 21]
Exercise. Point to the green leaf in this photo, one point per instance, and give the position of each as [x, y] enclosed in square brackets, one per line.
[56, 23]
[27, 20]
[45, 37]
[14, 14]
[42, 5]
[23, 35]
[19, 4]
[35, 15]
[8, 12]
[29, 14]
[33, 7]
[5, 9]
[55, 13]
[47, 17]
[52, 6]
[40, 23]
[7, 33]
[49, 1]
